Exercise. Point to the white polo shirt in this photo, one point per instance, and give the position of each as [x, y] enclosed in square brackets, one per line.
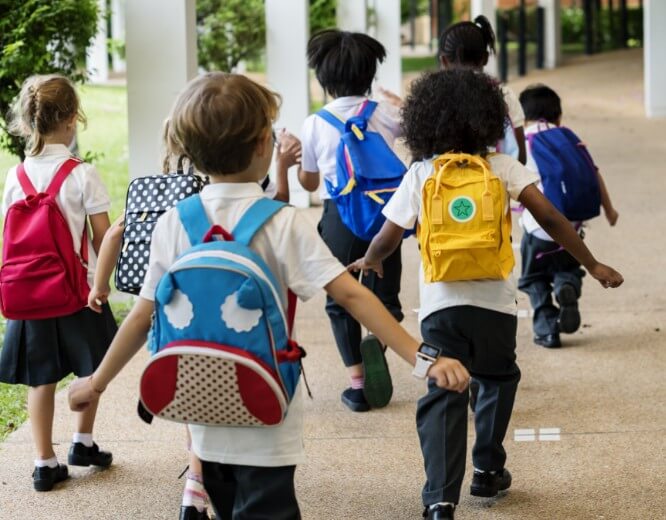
[83, 193]
[404, 209]
[300, 261]
[320, 139]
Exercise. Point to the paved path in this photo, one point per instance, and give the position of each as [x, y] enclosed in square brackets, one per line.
[605, 390]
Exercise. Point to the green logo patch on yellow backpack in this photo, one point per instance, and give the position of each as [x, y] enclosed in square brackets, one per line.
[465, 229]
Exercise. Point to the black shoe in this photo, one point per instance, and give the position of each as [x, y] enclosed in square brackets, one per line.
[192, 513]
[569, 320]
[439, 512]
[486, 484]
[378, 387]
[44, 478]
[354, 399]
[548, 341]
[81, 455]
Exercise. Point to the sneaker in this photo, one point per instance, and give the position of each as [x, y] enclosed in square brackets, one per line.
[378, 387]
[569, 320]
[548, 341]
[439, 512]
[354, 399]
[192, 513]
[487, 484]
[81, 455]
[44, 478]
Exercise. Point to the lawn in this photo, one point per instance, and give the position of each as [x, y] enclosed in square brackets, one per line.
[106, 137]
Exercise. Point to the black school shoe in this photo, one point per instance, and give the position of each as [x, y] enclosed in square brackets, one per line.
[354, 399]
[548, 341]
[44, 478]
[192, 513]
[569, 319]
[81, 455]
[486, 484]
[439, 512]
[378, 387]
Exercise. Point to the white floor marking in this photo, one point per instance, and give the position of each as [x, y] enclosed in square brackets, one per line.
[549, 434]
[524, 435]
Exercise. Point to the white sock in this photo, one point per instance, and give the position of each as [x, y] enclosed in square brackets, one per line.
[51, 463]
[433, 506]
[195, 494]
[84, 438]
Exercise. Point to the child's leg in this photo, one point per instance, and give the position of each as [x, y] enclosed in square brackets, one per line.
[567, 286]
[194, 494]
[250, 492]
[84, 451]
[41, 405]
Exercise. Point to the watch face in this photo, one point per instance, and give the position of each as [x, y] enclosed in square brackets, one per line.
[429, 350]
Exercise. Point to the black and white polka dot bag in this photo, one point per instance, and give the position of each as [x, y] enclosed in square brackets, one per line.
[147, 199]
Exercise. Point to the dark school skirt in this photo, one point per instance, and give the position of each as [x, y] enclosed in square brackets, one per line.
[41, 352]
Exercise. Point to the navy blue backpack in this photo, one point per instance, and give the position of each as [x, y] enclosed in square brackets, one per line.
[368, 173]
[568, 173]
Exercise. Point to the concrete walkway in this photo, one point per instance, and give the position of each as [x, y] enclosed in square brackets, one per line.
[604, 391]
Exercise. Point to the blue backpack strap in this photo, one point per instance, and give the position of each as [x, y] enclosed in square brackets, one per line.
[254, 219]
[332, 120]
[368, 110]
[194, 219]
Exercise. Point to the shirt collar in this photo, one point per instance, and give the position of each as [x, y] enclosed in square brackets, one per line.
[232, 190]
[54, 149]
[346, 101]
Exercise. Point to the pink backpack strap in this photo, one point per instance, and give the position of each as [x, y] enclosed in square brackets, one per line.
[60, 176]
[24, 181]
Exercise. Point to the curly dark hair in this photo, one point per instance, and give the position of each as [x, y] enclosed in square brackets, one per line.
[457, 110]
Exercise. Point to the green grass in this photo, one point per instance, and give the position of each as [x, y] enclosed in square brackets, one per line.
[106, 137]
[419, 63]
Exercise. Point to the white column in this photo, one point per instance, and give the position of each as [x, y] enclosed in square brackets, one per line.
[352, 15]
[287, 33]
[97, 60]
[487, 9]
[553, 32]
[387, 31]
[161, 58]
[654, 43]
[118, 8]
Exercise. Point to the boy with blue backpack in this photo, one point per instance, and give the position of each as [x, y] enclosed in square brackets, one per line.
[572, 183]
[221, 316]
[349, 143]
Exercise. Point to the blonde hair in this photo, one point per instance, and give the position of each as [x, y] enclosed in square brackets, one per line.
[219, 119]
[43, 105]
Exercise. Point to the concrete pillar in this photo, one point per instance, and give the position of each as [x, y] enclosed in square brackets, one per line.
[654, 42]
[287, 34]
[352, 15]
[553, 32]
[161, 58]
[118, 32]
[97, 60]
[487, 9]
[387, 31]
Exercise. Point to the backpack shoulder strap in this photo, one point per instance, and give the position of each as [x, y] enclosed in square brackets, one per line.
[367, 109]
[60, 176]
[194, 219]
[254, 219]
[333, 120]
[24, 181]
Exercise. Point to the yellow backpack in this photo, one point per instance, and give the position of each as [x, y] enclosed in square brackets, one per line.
[465, 230]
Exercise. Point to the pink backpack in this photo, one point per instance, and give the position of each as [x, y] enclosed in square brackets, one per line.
[41, 274]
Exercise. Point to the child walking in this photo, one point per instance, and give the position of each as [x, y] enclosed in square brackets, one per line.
[472, 319]
[41, 352]
[345, 65]
[248, 472]
[546, 267]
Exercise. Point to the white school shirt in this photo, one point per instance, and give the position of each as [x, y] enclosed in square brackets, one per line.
[527, 221]
[320, 139]
[404, 209]
[83, 193]
[300, 261]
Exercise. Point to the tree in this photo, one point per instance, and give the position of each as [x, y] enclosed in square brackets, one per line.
[41, 37]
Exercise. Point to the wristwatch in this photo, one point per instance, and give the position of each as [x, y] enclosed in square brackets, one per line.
[426, 355]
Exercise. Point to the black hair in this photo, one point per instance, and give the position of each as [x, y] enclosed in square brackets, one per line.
[345, 63]
[468, 43]
[541, 103]
[459, 110]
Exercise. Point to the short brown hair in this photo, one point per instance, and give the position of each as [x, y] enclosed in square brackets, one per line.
[44, 103]
[218, 120]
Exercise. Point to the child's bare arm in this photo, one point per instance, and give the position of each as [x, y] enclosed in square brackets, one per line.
[558, 227]
[383, 244]
[100, 224]
[519, 132]
[106, 261]
[128, 340]
[309, 180]
[366, 308]
[288, 155]
[611, 213]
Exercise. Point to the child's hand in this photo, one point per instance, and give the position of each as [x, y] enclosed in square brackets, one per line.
[98, 296]
[363, 265]
[611, 216]
[391, 97]
[607, 276]
[81, 394]
[288, 149]
[449, 373]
